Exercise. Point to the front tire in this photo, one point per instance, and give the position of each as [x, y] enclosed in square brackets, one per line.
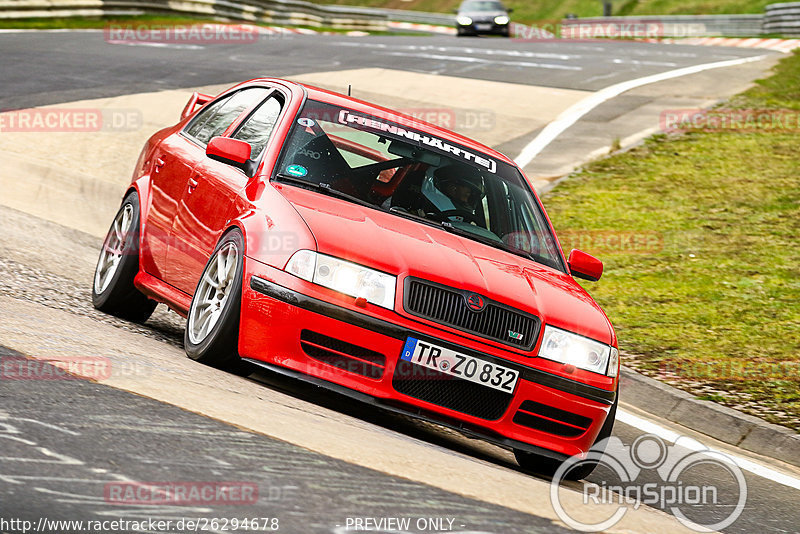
[113, 291]
[542, 465]
[212, 326]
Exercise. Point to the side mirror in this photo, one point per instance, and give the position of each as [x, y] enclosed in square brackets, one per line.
[231, 151]
[583, 265]
[510, 10]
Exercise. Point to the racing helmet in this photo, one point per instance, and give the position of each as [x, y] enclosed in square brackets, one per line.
[454, 186]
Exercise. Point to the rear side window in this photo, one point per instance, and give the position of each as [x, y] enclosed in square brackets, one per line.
[258, 127]
[215, 119]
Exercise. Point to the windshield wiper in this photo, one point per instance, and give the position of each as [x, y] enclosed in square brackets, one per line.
[400, 212]
[328, 190]
[450, 227]
[324, 188]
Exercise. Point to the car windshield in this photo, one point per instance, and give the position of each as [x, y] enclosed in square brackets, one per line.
[482, 5]
[408, 173]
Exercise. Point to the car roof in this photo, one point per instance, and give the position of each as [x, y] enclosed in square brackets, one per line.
[337, 99]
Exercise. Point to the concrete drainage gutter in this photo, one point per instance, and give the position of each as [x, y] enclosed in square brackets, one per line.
[720, 422]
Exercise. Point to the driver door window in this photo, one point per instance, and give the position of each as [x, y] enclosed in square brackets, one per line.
[257, 128]
[214, 120]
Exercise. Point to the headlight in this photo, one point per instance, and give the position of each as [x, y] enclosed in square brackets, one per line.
[343, 276]
[502, 19]
[565, 347]
[464, 21]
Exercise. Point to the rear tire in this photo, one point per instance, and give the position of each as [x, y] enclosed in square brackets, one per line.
[542, 465]
[113, 291]
[212, 325]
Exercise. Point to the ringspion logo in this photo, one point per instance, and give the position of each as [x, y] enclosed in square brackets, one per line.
[650, 472]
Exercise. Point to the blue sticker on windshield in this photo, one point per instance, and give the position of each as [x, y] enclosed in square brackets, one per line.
[296, 170]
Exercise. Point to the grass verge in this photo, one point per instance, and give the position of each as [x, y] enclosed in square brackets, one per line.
[698, 232]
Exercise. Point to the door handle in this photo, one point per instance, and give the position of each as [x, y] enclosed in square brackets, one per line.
[192, 184]
[158, 165]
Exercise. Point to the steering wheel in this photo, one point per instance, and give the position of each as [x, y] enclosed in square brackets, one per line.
[466, 215]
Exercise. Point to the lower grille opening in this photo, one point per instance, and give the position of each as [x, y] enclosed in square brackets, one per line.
[343, 355]
[449, 392]
[551, 420]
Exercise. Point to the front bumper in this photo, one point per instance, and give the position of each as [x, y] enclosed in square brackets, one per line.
[278, 309]
[490, 28]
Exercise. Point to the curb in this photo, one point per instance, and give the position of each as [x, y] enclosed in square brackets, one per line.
[781, 45]
[720, 422]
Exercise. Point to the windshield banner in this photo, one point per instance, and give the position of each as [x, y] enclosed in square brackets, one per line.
[347, 117]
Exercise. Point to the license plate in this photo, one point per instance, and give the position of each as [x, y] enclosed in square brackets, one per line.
[463, 366]
[483, 26]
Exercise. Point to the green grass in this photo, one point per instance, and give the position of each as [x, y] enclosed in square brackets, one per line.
[554, 10]
[715, 297]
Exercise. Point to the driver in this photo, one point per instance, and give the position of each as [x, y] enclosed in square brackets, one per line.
[455, 187]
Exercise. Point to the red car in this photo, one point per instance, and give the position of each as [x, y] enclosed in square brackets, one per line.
[351, 246]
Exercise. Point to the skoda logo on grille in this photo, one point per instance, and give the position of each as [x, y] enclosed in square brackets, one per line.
[475, 302]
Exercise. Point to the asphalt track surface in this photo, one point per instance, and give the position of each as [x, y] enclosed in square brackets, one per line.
[95, 434]
[47, 68]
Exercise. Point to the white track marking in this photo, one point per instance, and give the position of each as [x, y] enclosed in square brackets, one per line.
[42, 423]
[572, 114]
[468, 51]
[157, 45]
[470, 59]
[672, 436]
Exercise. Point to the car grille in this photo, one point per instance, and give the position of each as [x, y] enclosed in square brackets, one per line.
[449, 392]
[551, 420]
[343, 355]
[448, 306]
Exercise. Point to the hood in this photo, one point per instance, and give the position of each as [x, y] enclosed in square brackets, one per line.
[407, 248]
[482, 15]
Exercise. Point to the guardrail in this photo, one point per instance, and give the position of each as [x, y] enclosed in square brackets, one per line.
[285, 12]
[419, 17]
[783, 19]
[666, 26]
